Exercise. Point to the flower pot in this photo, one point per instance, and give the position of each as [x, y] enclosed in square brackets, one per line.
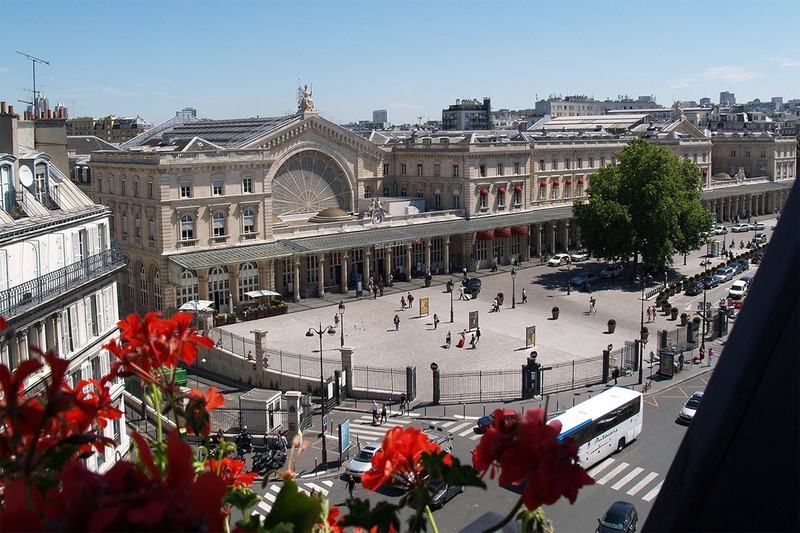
[427, 282]
[674, 312]
[684, 319]
[612, 326]
[555, 311]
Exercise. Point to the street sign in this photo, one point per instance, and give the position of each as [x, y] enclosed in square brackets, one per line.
[344, 436]
[424, 306]
[530, 336]
[325, 423]
[473, 320]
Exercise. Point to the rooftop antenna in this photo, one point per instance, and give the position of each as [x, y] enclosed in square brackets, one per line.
[33, 61]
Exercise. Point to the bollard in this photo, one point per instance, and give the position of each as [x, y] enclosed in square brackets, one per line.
[556, 405]
[425, 411]
[484, 409]
[464, 410]
[573, 401]
[316, 464]
[445, 409]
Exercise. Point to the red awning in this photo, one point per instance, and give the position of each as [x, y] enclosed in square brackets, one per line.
[517, 188]
[502, 232]
[705, 172]
[520, 230]
[485, 235]
[568, 182]
[501, 190]
[580, 181]
[484, 192]
[543, 184]
[555, 183]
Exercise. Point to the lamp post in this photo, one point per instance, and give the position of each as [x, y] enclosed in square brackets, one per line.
[451, 300]
[341, 320]
[569, 276]
[513, 288]
[320, 332]
[705, 314]
[641, 331]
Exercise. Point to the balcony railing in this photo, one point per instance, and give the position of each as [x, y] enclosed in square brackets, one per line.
[20, 298]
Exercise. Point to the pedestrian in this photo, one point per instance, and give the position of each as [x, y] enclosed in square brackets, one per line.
[495, 305]
[448, 340]
[383, 414]
[374, 292]
[615, 374]
[649, 313]
[336, 319]
[396, 322]
[403, 403]
[283, 444]
[374, 412]
[435, 321]
[461, 293]
[464, 270]
[462, 340]
[391, 280]
[524, 296]
[680, 361]
[477, 335]
[380, 287]
[403, 303]
[472, 341]
[410, 300]
[702, 353]
[351, 485]
[710, 355]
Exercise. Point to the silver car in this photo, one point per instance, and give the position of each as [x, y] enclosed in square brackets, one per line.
[689, 409]
[363, 460]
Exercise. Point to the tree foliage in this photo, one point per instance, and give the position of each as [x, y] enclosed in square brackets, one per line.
[648, 206]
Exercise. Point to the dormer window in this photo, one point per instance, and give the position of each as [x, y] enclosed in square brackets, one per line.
[40, 183]
[7, 194]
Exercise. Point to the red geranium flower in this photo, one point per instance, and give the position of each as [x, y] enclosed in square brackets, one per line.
[200, 404]
[528, 451]
[331, 524]
[399, 459]
[231, 471]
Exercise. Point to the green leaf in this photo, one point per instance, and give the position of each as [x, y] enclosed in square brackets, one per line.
[293, 507]
[241, 498]
[384, 515]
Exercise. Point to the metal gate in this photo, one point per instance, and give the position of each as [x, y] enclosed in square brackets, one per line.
[411, 383]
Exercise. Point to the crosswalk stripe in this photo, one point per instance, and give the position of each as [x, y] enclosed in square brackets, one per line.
[599, 468]
[327, 482]
[644, 481]
[265, 506]
[605, 479]
[317, 488]
[269, 496]
[653, 493]
[391, 421]
[468, 417]
[624, 481]
[275, 488]
[459, 427]
[447, 424]
[475, 436]
[467, 432]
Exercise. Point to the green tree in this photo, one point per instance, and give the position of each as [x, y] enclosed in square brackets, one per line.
[648, 206]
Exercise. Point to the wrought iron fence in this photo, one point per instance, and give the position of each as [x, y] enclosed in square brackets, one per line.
[379, 379]
[572, 375]
[625, 357]
[480, 385]
[257, 421]
[17, 299]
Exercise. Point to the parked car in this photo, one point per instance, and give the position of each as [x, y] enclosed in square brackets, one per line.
[687, 412]
[757, 257]
[737, 267]
[472, 287]
[709, 282]
[362, 462]
[694, 288]
[720, 229]
[583, 278]
[744, 264]
[444, 492]
[738, 290]
[760, 238]
[759, 226]
[611, 271]
[741, 228]
[580, 255]
[621, 516]
[558, 260]
[724, 274]
[485, 421]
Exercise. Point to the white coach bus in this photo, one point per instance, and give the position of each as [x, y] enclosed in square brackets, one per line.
[603, 424]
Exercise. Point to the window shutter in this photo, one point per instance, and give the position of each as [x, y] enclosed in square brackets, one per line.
[76, 247]
[3, 270]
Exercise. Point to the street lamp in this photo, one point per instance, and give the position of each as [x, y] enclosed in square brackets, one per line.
[320, 332]
[569, 276]
[513, 288]
[451, 299]
[641, 331]
[341, 319]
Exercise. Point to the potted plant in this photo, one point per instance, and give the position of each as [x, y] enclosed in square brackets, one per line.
[667, 307]
[674, 311]
[612, 325]
[219, 320]
[696, 320]
[645, 334]
[428, 278]
[555, 310]
[231, 318]
[684, 319]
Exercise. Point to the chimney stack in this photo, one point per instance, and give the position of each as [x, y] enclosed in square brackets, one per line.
[3, 107]
[60, 112]
[11, 110]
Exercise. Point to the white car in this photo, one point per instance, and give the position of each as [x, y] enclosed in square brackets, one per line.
[742, 228]
[759, 226]
[581, 255]
[611, 271]
[362, 462]
[558, 260]
[688, 411]
[738, 290]
[720, 229]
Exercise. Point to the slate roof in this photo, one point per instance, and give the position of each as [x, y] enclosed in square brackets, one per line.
[86, 144]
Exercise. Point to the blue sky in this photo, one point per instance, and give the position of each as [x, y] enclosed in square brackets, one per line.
[237, 58]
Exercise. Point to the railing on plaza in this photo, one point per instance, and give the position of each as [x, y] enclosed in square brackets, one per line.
[625, 357]
[257, 421]
[571, 375]
[480, 385]
[49, 286]
[276, 360]
[372, 378]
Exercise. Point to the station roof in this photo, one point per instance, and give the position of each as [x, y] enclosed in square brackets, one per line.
[748, 188]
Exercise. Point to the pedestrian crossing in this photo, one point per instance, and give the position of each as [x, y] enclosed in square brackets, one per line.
[622, 477]
[267, 500]
[362, 431]
[461, 429]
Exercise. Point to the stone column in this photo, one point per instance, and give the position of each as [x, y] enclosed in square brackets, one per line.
[296, 278]
[261, 355]
[408, 261]
[233, 280]
[50, 332]
[387, 263]
[263, 275]
[367, 265]
[466, 243]
[22, 345]
[202, 283]
[428, 247]
[294, 408]
[13, 353]
[321, 275]
[59, 328]
[525, 244]
[554, 226]
[347, 366]
[539, 238]
[446, 255]
[566, 236]
[41, 337]
[344, 271]
[578, 236]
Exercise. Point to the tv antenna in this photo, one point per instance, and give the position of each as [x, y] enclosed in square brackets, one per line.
[33, 61]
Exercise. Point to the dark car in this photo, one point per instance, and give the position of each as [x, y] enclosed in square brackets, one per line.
[485, 421]
[757, 257]
[472, 287]
[709, 282]
[744, 265]
[694, 288]
[443, 493]
[621, 516]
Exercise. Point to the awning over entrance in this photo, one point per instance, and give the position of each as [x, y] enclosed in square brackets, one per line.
[360, 238]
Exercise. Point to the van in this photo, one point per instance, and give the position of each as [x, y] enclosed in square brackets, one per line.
[738, 290]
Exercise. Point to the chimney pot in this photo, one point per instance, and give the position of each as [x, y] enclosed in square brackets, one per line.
[61, 112]
[11, 109]
[3, 107]
[49, 114]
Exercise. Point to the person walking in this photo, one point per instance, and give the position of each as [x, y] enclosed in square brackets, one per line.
[402, 303]
[403, 403]
[477, 335]
[524, 296]
[615, 374]
[384, 418]
[351, 485]
[649, 313]
[380, 287]
[448, 340]
[374, 412]
[435, 321]
[461, 293]
[462, 340]
[472, 341]
[464, 270]
[710, 356]
[702, 353]
[336, 319]
[410, 300]
[397, 322]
